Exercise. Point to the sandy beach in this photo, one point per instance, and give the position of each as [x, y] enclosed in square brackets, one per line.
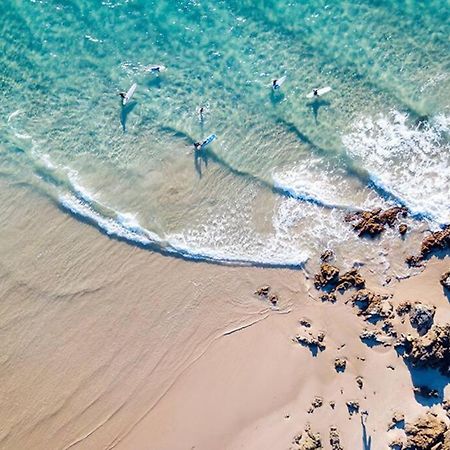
[105, 345]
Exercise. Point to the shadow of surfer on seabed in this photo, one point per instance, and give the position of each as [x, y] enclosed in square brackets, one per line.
[366, 440]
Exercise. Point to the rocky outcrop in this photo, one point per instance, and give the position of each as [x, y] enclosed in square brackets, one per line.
[445, 280]
[307, 440]
[264, 292]
[316, 403]
[335, 440]
[353, 407]
[426, 392]
[314, 343]
[327, 256]
[374, 222]
[426, 433]
[439, 240]
[329, 277]
[431, 350]
[372, 306]
[421, 317]
[402, 228]
[397, 421]
[340, 364]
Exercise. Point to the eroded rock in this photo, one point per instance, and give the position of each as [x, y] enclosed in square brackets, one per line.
[328, 297]
[372, 306]
[445, 280]
[314, 343]
[402, 228]
[438, 240]
[425, 433]
[327, 256]
[328, 275]
[397, 421]
[421, 317]
[353, 407]
[340, 364]
[374, 222]
[335, 440]
[307, 440]
[431, 350]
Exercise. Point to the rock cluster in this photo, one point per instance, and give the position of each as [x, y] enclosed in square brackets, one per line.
[374, 222]
[397, 421]
[329, 277]
[264, 293]
[372, 306]
[340, 364]
[439, 240]
[430, 350]
[307, 440]
[427, 433]
[311, 341]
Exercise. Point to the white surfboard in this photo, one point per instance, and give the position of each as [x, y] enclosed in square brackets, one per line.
[320, 92]
[129, 94]
[156, 68]
[279, 82]
[208, 140]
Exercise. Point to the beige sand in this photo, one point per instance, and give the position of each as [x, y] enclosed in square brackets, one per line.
[104, 345]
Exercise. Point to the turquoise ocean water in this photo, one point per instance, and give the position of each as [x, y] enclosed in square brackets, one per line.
[274, 187]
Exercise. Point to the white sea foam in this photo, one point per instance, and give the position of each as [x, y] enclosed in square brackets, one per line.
[410, 163]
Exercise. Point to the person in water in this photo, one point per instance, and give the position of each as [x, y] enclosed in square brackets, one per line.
[316, 92]
[197, 146]
[275, 84]
[122, 94]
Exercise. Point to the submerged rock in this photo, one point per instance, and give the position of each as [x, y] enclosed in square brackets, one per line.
[445, 280]
[439, 240]
[424, 434]
[431, 350]
[402, 228]
[425, 391]
[374, 222]
[421, 317]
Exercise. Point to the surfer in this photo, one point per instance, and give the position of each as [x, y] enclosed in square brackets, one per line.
[122, 94]
[197, 146]
[275, 84]
[316, 92]
[200, 112]
[156, 69]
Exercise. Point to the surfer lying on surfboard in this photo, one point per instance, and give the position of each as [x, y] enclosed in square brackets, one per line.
[200, 145]
[276, 84]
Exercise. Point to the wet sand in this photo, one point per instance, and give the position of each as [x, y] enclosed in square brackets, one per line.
[104, 345]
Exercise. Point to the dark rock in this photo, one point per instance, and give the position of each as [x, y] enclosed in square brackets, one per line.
[425, 433]
[307, 440]
[340, 364]
[439, 240]
[421, 317]
[328, 275]
[332, 404]
[352, 278]
[445, 280]
[431, 350]
[335, 440]
[426, 392]
[403, 308]
[330, 297]
[353, 407]
[327, 256]
[305, 323]
[374, 222]
[273, 299]
[397, 421]
[403, 228]
[360, 382]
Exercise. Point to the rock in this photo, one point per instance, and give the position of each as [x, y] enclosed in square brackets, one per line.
[374, 222]
[305, 323]
[328, 275]
[335, 440]
[331, 297]
[445, 280]
[431, 350]
[340, 364]
[371, 305]
[360, 382]
[396, 444]
[388, 328]
[352, 278]
[308, 440]
[316, 403]
[314, 343]
[403, 308]
[327, 255]
[446, 406]
[263, 291]
[402, 228]
[273, 299]
[332, 404]
[421, 317]
[439, 240]
[425, 391]
[425, 433]
[397, 421]
[371, 336]
[353, 407]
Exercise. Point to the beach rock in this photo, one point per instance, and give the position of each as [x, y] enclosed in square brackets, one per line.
[388, 329]
[397, 421]
[353, 407]
[332, 404]
[426, 433]
[329, 297]
[396, 444]
[317, 402]
[263, 291]
[445, 280]
[352, 278]
[328, 275]
[314, 343]
[374, 222]
[371, 336]
[307, 440]
[431, 350]
[421, 317]
[305, 323]
[273, 299]
[403, 308]
[327, 256]
[335, 440]
[360, 381]
[402, 228]
[372, 306]
[438, 240]
[340, 364]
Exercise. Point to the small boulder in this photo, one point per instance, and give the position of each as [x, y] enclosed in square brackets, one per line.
[328, 275]
[335, 440]
[327, 255]
[340, 364]
[421, 317]
[353, 407]
[425, 433]
[403, 228]
[263, 291]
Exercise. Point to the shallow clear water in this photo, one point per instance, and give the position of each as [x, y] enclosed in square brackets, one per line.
[276, 184]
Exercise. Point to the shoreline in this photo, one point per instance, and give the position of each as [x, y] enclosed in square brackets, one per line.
[105, 345]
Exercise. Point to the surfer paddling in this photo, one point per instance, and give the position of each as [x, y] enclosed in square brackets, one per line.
[276, 84]
[200, 145]
[315, 92]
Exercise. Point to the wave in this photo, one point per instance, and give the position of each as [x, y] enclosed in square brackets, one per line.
[408, 162]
